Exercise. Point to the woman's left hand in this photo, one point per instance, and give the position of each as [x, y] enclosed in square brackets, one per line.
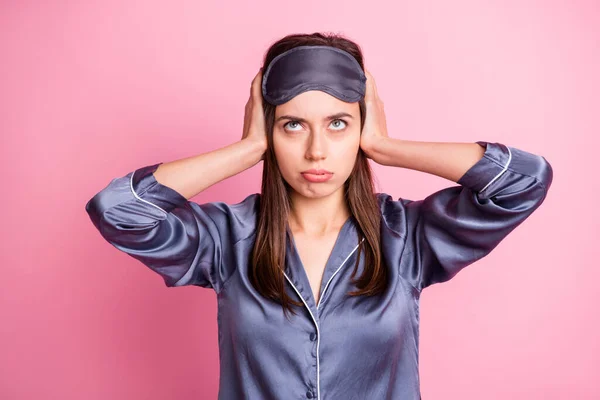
[375, 128]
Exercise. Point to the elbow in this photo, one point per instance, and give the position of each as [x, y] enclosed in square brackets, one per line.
[531, 166]
[93, 211]
[113, 194]
[548, 174]
[545, 173]
[543, 180]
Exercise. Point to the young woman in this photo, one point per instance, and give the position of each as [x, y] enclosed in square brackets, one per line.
[318, 278]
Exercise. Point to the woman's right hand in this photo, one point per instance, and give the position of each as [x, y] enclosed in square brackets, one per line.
[254, 117]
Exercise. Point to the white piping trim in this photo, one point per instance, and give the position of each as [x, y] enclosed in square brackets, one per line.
[313, 317]
[501, 172]
[340, 267]
[317, 325]
[138, 197]
[146, 201]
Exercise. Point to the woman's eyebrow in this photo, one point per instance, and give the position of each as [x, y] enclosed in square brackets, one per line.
[328, 118]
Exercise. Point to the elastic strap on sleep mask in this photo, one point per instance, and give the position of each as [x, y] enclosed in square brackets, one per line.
[326, 68]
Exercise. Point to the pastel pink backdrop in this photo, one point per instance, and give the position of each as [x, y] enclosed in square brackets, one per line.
[91, 91]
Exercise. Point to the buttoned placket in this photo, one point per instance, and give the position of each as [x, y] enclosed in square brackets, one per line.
[298, 279]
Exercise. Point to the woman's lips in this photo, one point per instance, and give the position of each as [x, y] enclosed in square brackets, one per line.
[316, 178]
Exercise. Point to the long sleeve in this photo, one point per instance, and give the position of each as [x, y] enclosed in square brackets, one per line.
[450, 229]
[184, 242]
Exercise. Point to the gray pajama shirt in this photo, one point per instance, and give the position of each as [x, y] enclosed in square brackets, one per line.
[345, 347]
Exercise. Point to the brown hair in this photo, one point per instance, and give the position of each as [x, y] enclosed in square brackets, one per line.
[268, 256]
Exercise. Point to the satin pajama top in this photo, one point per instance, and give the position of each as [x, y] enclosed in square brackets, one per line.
[344, 347]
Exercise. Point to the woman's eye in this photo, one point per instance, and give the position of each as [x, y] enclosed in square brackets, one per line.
[336, 122]
[339, 120]
[289, 123]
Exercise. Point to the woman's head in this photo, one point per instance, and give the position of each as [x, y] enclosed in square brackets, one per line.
[300, 136]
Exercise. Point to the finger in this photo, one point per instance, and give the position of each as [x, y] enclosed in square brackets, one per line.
[257, 86]
[246, 123]
[374, 85]
[369, 84]
[253, 83]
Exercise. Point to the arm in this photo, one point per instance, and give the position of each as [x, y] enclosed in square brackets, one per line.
[448, 160]
[189, 176]
[434, 238]
[147, 215]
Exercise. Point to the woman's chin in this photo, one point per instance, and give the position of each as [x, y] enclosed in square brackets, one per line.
[315, 190]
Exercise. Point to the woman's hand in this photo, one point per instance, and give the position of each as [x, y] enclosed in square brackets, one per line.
[254, 117]
[375, 128]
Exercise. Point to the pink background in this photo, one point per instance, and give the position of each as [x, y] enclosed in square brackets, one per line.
[91, 91]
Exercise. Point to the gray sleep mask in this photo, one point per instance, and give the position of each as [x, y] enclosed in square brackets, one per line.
[326, 68]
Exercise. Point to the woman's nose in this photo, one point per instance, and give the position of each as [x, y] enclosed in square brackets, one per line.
[316, 146]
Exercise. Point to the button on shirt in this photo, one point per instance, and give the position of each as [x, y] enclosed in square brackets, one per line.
[343, 347]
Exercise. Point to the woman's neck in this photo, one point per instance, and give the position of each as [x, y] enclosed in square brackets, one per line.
[318, 216]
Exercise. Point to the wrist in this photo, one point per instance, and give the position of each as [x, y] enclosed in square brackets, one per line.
[257, 147]
[375, 147]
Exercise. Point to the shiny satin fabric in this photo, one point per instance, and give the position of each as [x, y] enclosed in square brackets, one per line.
[344, 347]
[304, 68]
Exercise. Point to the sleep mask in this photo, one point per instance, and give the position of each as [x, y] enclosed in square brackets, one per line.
[326, 68]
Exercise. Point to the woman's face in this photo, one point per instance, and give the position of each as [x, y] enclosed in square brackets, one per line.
[316, 130]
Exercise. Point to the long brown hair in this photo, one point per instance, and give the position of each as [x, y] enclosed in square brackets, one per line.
[268, 256]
